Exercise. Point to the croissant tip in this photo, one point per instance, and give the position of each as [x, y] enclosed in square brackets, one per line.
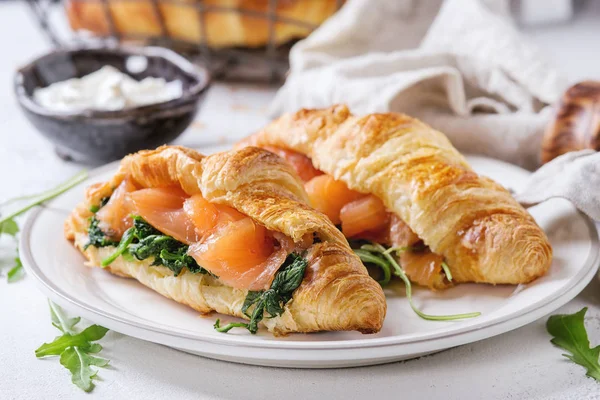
[372, 323]
[368, 305]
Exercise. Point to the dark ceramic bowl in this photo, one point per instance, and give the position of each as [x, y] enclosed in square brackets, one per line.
[93, 136]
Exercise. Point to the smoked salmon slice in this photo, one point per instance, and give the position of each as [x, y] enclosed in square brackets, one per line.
[301, 163]
[163, 209]
[367, 214]
[237, 253]
[421, 265]
[228, 214]
[329, 196]
[202, 213]
[114, 216]
[222, 240]
[206, 216]
[424, 268]
[400, 234]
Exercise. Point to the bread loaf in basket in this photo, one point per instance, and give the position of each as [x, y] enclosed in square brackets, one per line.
[223, 23]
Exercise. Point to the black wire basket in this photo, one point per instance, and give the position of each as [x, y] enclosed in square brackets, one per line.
[265, 60]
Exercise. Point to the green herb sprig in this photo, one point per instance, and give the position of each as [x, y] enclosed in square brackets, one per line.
[142, 241]
[273, 300]
[376, 254]
[44, 196]
[9, 227]
[447, 271]
[570, 334]
[76, 349]
[16, 272]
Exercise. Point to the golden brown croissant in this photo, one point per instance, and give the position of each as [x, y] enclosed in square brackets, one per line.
[336, 292]
[226, 23]
[469, 221]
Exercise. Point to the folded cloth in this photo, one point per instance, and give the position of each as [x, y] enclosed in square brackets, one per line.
[465, 70]
[462, 68]
[574, 176]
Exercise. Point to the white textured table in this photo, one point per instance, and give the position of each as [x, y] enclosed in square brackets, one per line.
[518, 365]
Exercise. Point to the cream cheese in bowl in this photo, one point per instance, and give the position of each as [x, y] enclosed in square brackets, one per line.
[100, 103]
[106, 89]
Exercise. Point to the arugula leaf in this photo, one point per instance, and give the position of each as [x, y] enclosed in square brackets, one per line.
[378, 260]
[82, 340]
[9, 227]
[78, 363]
[75, 349]
[61, 321]
[375, 253]
[273, 300]
[16, 272]
[142, 241]
[570, 334]
[45, 196]
[94, 348]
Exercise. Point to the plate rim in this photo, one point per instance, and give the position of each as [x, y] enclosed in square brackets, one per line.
[583, 277]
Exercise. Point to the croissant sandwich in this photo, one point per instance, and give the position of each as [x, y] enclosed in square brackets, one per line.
[230, 233]
[394, 181]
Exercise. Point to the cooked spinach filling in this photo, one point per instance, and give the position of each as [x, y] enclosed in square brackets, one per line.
[97, 237]
[143, 241]
[273, 300]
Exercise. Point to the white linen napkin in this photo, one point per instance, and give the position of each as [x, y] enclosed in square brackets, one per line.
[463, 68]
[574, 176]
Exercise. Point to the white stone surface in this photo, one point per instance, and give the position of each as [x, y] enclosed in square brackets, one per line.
[518, 365]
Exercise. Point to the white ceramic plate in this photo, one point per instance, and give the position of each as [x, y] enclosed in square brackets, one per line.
[126, 306]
